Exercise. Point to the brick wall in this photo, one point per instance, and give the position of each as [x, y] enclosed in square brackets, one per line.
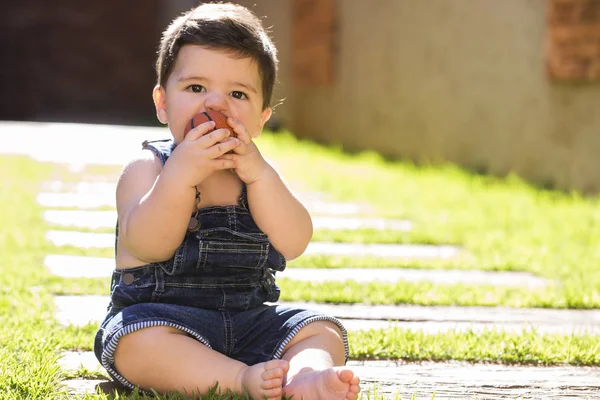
[78, 60]
[313, 42]
[573, 52]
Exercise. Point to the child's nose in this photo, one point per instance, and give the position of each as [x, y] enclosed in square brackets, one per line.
[215, 101]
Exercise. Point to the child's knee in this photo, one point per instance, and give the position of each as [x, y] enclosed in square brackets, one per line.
[322, 329]
[139, 342]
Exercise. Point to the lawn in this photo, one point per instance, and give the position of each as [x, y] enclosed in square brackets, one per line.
[501, 224]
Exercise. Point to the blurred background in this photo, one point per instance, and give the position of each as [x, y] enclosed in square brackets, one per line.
[499, 87]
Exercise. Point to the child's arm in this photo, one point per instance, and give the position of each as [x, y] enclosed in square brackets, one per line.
[154, 205]
[274, 209]
[279, 214]
[152, 209]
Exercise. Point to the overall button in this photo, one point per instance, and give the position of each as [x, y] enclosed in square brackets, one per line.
[128, 279]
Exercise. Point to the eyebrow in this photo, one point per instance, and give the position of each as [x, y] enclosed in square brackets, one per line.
[244, 85]
[198, 78]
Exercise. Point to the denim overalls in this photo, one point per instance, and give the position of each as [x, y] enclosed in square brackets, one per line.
[213, 288]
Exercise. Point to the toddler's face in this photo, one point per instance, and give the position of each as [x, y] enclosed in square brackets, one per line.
[204, 79]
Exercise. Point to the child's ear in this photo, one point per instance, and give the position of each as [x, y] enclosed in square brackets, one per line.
[265, 116]
[160, 103]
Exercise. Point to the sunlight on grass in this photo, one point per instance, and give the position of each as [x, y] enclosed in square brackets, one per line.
[503, 224]
[489, 346]
[28, 352]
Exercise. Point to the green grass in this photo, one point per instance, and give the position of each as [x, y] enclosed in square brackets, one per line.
[491, 346]
[29, 345]
[350, 292]
[31, 341]
[502, 223]
[363, 235]
[323, 261]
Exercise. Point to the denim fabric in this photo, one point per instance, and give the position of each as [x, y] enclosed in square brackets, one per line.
[228, 264]
[213, 288]
[250, 336]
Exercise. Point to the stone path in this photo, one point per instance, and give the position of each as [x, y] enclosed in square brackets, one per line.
[89, 200]
[97, 267]
[446, 380]
[81, 310]
[450, 380]
[88, 240]
[106, 219]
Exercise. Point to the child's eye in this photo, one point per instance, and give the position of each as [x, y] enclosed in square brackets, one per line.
[239, 95]
[196, 88]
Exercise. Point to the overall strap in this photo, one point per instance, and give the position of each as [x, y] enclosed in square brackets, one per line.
[243, 201]
[163, 151]
[162, 148]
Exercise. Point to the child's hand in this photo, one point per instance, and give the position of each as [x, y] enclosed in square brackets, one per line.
[201, 153]
[248, 162]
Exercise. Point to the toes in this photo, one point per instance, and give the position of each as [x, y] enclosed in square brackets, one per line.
[345, 375]
[352, 396]
[355, 381]
[355, 389]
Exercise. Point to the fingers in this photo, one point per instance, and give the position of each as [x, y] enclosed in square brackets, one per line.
[240, 130]
[219, 149]
[209, 139]
[222, 163]
[200, 130]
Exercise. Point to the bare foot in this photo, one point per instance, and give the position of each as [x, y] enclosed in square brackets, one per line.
[331, 384]
[264, 380]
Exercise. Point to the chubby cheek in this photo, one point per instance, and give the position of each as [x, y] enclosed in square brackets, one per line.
[177, 132]
[254, 128]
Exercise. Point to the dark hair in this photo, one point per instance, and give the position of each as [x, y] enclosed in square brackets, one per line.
[219, 26]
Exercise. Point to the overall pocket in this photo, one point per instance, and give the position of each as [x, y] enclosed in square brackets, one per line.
[133, 285]
[230, 258]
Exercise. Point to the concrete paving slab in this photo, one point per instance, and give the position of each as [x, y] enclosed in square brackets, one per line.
[88, 186]
[435, 327]
[87, 143]
[458, 380]
[405, 251]
[81, 218]
[77, 200]
[81, 310]
[107, 219]
[79, 266]
[81, 387]
[100, 184]
[73, 360]
[84, 240]
[494, 315]
[360, 223]
[453, 380]
[317, 203]
[85, 200]
[391, 275]
[99, 267]
[88, 240]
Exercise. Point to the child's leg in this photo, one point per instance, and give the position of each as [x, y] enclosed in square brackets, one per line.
[166, 360]
[316, 356]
